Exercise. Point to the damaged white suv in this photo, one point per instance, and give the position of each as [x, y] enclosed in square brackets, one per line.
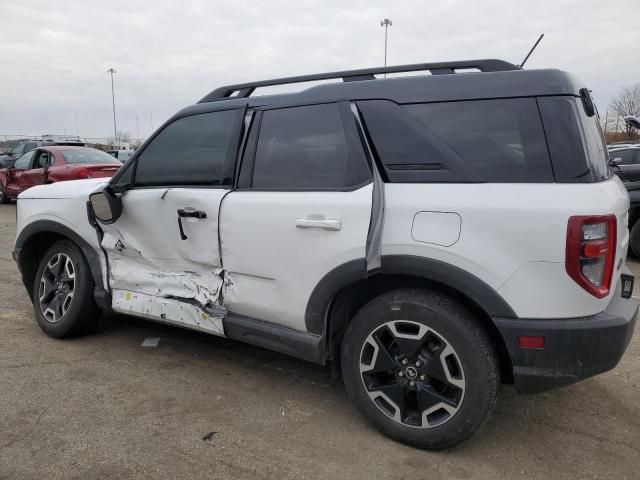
[430, 235]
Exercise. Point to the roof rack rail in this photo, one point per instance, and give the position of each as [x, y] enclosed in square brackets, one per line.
[243, 90]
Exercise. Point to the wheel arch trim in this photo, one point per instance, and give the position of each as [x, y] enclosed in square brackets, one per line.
[90, 254]
[483, 295]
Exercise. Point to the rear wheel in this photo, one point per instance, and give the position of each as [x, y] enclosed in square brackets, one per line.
[63, 292]
[420, 368]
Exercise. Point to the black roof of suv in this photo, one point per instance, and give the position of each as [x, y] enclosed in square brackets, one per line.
[473, 79]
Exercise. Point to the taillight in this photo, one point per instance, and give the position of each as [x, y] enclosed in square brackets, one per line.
[591, 252]
[82, 173]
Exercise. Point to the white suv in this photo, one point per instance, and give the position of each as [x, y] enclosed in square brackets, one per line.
[430, 236]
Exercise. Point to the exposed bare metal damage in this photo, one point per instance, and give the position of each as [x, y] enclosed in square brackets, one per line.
[183, 285]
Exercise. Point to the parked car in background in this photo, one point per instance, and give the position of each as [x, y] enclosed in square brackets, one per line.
[9, 158]
[625, 162]
[122, 155]
[54, 164]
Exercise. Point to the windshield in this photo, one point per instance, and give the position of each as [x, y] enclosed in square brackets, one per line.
[87, 155]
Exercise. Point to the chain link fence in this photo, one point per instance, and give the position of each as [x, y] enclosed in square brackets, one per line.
[8, 141]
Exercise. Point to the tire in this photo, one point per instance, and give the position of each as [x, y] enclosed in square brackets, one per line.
[441, 347]
[634, 239]
[3, 196]
[66, 307]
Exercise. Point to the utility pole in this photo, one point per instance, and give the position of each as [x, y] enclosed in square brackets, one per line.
[137, 127]
[111, 72]
[386, 23]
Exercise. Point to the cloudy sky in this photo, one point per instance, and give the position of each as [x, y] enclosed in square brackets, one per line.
[54, 55]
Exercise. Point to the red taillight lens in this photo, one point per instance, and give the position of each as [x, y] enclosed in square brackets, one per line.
[591, 252]
[82, 173]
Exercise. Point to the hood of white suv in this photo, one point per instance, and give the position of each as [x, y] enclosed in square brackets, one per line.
[68, 189]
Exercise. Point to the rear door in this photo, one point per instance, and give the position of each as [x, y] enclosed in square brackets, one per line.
[163, 251]
[302, 208]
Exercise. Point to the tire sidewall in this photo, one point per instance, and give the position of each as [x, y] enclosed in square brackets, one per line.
[454, 324]
[83, 290]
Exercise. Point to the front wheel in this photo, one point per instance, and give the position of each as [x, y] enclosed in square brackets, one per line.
[420, 368]
[63, 292]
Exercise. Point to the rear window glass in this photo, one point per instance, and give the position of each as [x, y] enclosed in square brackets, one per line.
[467, 141]
[88, 155]
[594, 144]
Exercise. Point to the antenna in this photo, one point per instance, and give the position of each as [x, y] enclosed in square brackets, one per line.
[531, 51]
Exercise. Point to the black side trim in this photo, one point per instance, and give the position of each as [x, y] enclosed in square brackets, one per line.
[275, 337]
[101, 296]
[470, 285]
[327, 288]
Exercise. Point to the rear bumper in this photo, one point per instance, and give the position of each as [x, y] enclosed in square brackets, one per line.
[574, 349]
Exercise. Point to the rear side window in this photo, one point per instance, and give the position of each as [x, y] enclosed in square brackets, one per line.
[308, 148]
[466, 141]
[190, 151]
[575, 141]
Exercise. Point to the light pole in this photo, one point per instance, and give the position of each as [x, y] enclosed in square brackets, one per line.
[111, 72]
[386, 23]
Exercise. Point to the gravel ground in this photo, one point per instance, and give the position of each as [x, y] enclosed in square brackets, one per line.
[105, 407]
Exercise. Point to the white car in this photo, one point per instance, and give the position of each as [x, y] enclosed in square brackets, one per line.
[429, 236]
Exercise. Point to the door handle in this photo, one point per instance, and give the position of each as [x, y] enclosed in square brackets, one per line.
[188, 213]
[324, 224]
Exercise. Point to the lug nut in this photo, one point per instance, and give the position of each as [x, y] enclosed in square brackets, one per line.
[405, 361]
[418, 364]
[412, 383]
[401, 374]
[423, 377]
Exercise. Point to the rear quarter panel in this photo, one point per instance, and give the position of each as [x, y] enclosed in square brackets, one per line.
[511, 236]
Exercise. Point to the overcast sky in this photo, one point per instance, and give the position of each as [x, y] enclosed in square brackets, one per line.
[54, 54]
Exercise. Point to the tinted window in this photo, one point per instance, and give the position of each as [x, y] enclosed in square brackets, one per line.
[622, 157]
[24, 161]
[594, 144]
[467, 141]
[311, 147]
[87, 155]
[190, 151]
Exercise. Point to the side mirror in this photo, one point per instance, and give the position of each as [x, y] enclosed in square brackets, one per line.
[106, 206]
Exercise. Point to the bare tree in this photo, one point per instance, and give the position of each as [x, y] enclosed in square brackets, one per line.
[627, 103]
[121, 137]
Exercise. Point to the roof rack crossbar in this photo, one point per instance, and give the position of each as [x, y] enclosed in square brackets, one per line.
[243, 90]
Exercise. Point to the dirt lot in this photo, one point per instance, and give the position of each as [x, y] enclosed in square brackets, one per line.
[105, 407]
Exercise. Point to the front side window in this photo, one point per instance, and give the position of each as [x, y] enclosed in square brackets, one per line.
[190, 151]
[308, 148]
[24, 161]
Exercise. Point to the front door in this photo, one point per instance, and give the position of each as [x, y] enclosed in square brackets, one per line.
[37, 174]
[18, 182]
[163, 251]
[302, 208]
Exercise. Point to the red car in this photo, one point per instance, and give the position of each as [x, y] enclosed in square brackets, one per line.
[54, 164]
